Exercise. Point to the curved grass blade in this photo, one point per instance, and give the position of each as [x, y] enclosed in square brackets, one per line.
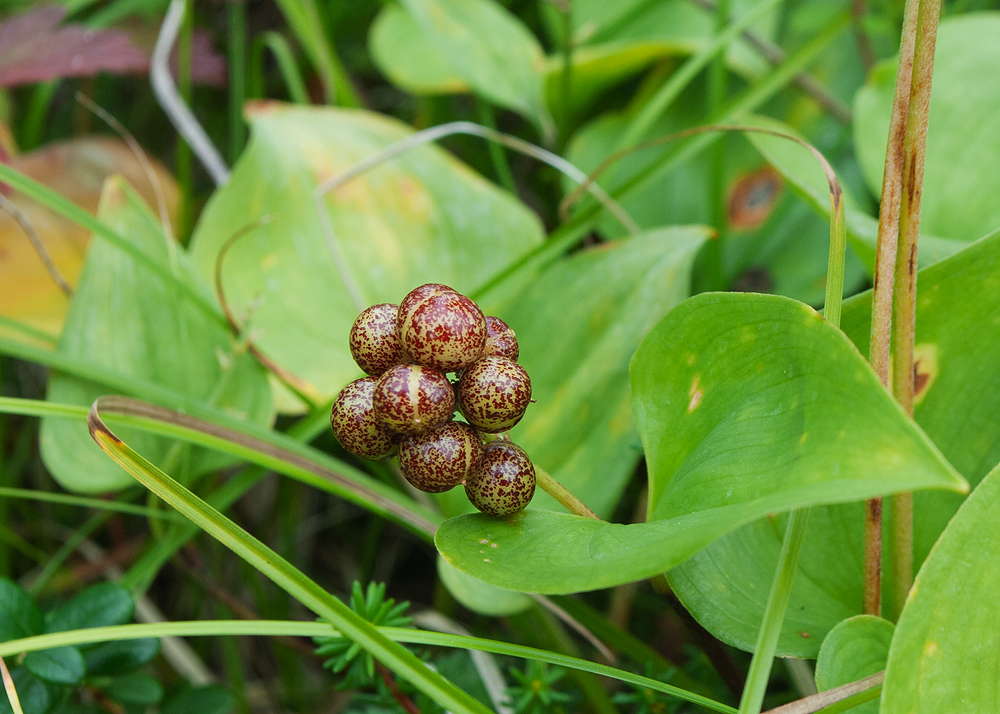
[215, 628]
[282, 573]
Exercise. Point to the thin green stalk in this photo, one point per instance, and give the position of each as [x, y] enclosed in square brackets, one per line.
[183, 157]
[28, 330]
[774, 614]
[497, 154]
[38, 110]
[82, 501]
[236, 14]
[272, 628]
[904, 303]
[566, 498]
[566, 73]
[884, 281]
[287, 66]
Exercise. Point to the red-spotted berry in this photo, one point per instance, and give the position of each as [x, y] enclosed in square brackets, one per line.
[440, 328]
[493, 394]
[500, 339]
[412, 399]
[356, 426]
[441, 458]
[375, 341]
[504, 481]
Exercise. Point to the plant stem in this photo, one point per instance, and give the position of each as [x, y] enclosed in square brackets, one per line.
[497, 155]
[905, 297]
[185, 220]
[236, 13]
[566, 76]
[774, 614]
[562, 494]
[884, 279]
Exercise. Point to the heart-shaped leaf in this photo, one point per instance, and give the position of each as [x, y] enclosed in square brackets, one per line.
[725, 586]
[945, 652]
[856, 648]
[127, 319]
[748, 405]
[422, 217]
[960, 178]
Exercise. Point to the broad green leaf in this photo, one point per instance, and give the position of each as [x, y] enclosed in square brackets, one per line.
[478, 596]
[211, 699]
[725, 586]
[960, 178]
[748, 405]
[36, 696]
[421, 217]
[19, 615]
[945, 652]
[854, 649]
[490, 49]
[120, 657]
[408, 56]
[128, 320]
[98, 606]
[60, 665]
[137, 688]
[577, 326]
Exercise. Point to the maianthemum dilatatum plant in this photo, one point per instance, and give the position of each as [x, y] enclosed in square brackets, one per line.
[791, 482]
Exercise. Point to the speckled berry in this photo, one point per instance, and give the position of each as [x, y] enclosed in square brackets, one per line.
[441, 328]
[375, 341]
[500, 339]
[411, 398]
[504, 482]
[441, 458]
[355, 425]
[493, 394]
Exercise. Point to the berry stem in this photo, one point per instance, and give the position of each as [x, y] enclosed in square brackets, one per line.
[562, 494]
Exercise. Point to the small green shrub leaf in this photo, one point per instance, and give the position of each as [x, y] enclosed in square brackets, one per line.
[945, 652]
[478, 596]
[856, 648]
[120, 656]
[748, 405]
[19, 615]
[102, 605]
[35, 696]
[60, 665]
[211, 699]
[137, 688]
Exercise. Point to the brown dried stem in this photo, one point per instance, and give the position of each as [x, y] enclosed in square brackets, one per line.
[37, 244]
[885, 260]
[905, 297]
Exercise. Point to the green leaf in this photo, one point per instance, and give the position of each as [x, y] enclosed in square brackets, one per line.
[19, 615]
[478, 596]
[408, 56]
[725, 586]
[101, 605]
[945, 650]
[138, 688]
[211, 699]
[960, 178]
[36, 696]
[854, 649]
[60, 665]
[748, 405]
[127, 319]
[577, 326]
[490, 49]
[119, 657]
[421, 217]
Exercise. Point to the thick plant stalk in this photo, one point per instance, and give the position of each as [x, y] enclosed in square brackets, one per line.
[905, 295]
[563, 495]
[885, 260]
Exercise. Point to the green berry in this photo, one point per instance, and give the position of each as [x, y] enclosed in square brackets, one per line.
[441, 458]
[493, 394]
[412, 399]
[500, 339]
[374, 339]
[504, 481]
[356, 426]
[440, 328]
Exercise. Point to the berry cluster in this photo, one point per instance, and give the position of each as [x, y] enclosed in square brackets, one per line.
[406, 403]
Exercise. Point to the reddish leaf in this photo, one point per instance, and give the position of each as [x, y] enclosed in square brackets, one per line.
[33, 48]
